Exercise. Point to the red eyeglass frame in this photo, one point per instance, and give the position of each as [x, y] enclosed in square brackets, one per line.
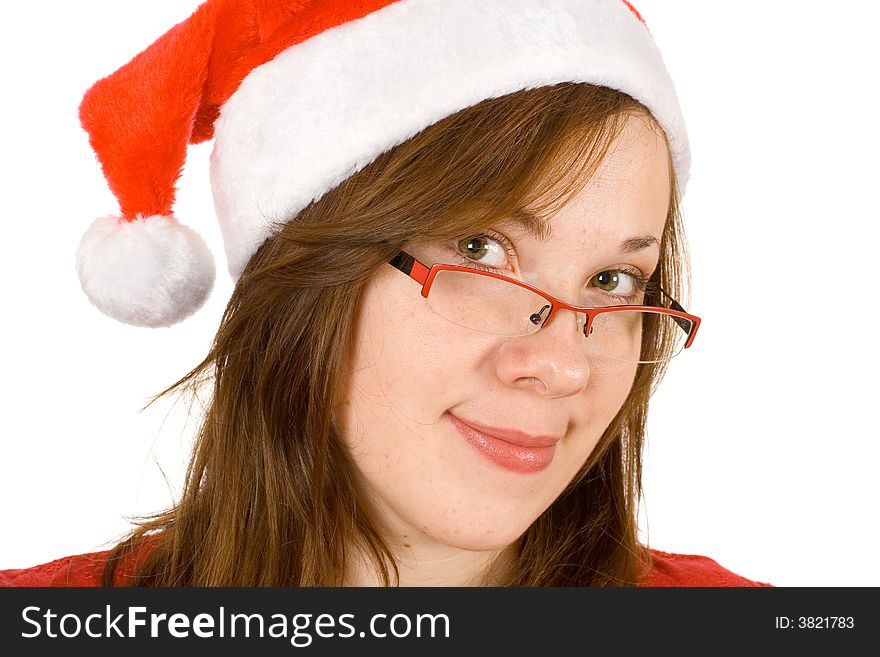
[424, 275]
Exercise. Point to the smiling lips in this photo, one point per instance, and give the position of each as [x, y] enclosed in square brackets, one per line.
[509, 449]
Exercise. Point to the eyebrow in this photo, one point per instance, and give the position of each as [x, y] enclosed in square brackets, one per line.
[634, 244]
[540, 229]
[533, 224]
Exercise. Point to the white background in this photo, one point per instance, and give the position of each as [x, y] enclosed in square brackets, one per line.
[763, 442]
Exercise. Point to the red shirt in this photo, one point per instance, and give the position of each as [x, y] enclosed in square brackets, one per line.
[668, 570]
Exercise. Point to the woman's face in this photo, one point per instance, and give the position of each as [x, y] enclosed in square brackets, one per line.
[414, 373]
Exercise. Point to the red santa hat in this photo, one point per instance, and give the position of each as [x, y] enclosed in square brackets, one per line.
[299, 95]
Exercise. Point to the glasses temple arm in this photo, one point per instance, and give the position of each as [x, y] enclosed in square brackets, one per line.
[686, 325]
[403, 261]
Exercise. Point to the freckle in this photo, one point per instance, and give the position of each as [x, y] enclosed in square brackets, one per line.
[407, 545]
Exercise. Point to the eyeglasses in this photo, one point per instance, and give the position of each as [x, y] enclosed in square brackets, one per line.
[493, 303]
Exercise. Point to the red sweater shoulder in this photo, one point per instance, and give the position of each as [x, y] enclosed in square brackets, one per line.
[666, 569]
[77, 570]
[669, 569]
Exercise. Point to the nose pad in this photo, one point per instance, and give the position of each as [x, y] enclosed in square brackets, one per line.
[581, 319]
[539, 317]
[585, 327]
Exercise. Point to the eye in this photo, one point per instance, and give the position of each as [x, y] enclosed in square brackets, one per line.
[619, 283]
[483, 250]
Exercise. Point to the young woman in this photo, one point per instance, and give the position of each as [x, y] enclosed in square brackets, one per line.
[455, 231]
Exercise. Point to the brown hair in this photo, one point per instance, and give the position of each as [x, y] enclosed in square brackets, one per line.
[270, 497]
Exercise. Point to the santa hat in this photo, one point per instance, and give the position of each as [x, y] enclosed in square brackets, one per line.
[301, 94]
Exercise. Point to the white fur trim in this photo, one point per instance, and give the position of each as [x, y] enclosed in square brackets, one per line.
[152, 271]
[325, 108]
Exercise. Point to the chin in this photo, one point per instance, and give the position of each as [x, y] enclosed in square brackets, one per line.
[479, 536]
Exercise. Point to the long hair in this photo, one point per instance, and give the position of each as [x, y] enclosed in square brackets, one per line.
[270, 497]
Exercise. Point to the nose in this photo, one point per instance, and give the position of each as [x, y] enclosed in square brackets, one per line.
[553, 361]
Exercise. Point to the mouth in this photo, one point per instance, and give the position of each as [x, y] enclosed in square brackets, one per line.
[511, 450]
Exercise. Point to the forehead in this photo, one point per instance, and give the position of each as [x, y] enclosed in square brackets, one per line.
[629, 192]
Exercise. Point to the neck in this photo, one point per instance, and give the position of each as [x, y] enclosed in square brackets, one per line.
[426, 562]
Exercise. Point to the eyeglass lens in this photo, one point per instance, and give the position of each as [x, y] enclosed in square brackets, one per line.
[496, 306]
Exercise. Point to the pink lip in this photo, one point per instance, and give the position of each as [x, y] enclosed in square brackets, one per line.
[512, 450]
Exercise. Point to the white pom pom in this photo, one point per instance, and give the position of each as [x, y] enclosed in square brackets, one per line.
[152, 271]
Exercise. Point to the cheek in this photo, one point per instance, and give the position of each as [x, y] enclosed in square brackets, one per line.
[613, 380]
[404, 365]
[609, 386]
